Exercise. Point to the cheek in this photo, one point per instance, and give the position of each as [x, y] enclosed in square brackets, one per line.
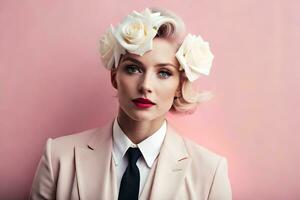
[125, 86]
[168, 93]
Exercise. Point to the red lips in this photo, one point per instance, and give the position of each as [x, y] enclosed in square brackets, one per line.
[143, 103]
[142, 100]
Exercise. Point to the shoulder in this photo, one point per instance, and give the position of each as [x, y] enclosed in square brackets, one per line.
[207, 172]
[205, 162]
[68, 142]
[62, 149]
[86, 137]
[200, 153]
[64, 146]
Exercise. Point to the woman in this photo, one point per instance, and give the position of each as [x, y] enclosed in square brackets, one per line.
[139, 155]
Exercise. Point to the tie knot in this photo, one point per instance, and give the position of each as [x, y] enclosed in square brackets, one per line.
[133, 154]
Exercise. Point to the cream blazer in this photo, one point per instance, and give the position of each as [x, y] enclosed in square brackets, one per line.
[80, 166]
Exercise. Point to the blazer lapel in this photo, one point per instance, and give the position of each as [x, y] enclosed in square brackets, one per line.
[94, 168]
[172, 163]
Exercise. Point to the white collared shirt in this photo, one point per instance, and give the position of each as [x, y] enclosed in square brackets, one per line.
[150, 148]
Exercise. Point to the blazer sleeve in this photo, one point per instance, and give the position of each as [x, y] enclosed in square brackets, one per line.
[43, 186]
[221, 189]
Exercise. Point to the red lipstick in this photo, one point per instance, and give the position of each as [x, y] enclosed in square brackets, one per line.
[143, 103]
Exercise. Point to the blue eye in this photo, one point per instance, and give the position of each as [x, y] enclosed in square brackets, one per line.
[132, 69]
[165, 74]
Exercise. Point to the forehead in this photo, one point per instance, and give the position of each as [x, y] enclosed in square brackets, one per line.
[163, 51]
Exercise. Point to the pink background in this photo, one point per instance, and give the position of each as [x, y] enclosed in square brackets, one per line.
[52, 83]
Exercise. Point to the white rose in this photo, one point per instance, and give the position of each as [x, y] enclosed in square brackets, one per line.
[135, 35]
[110, 49]
[136, 32]
[195, 57]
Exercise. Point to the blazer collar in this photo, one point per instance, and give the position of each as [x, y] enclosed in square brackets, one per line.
[94, 168]
[96, 175]
[101, 136]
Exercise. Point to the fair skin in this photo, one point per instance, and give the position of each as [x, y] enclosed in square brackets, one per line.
[154, 76]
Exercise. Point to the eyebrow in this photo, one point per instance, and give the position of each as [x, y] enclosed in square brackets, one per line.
[140, 63]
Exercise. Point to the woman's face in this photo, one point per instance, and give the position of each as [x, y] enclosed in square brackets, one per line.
[153, 76]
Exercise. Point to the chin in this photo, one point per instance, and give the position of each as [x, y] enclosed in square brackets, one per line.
[141, 116]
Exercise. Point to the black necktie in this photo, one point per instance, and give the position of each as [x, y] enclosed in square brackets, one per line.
[130, 183]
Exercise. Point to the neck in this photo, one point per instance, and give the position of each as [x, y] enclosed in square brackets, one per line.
[138, 131]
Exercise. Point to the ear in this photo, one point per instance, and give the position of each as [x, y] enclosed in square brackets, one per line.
[178, 93]
[113, 74]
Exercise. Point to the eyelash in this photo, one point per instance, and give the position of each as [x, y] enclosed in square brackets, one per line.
[129, 69]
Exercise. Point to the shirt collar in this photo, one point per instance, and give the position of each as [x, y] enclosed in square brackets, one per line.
[149, 147]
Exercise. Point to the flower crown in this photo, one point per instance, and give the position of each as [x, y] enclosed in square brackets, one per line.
[135, 35]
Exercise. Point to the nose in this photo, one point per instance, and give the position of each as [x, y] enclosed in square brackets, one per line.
[146, 83]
